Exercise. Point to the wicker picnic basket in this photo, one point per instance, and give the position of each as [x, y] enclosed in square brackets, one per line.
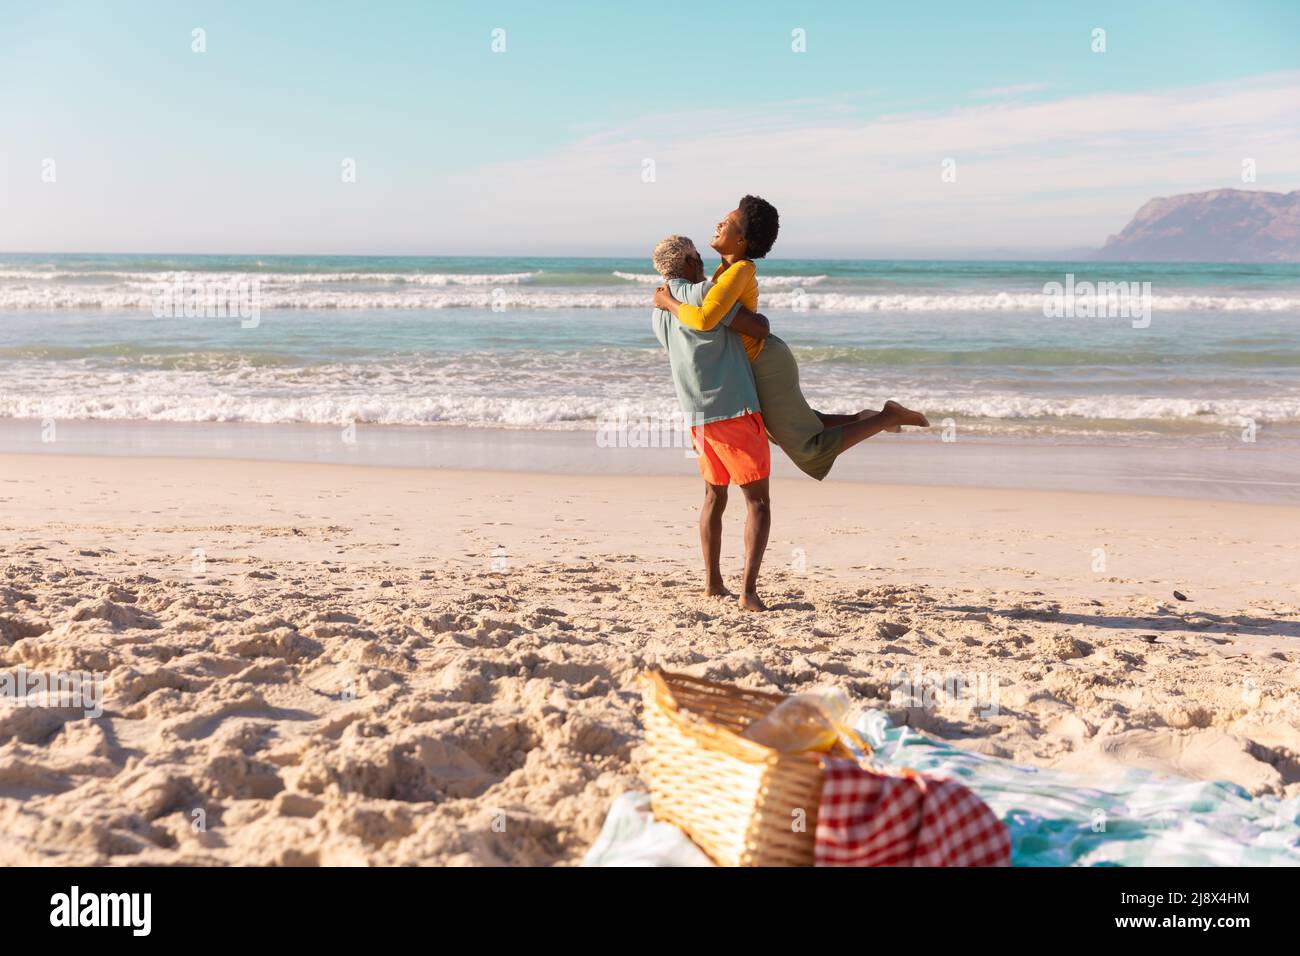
[744, 804]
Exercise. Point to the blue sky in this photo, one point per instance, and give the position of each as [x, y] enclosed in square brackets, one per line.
[541, 149]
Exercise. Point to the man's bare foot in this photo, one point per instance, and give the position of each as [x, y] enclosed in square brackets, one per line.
[906, 416]
[751, 602]
[716, 588]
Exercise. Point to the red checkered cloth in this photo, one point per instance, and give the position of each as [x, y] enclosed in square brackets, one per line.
[869, 818]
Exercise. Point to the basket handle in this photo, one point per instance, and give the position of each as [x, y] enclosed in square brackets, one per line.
[852, 741]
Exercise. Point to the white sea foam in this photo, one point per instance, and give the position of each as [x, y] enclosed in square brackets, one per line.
[1017, 302]
[278, 278]
[764, 282]
[575, 411]
[469, 393]
[512, 297]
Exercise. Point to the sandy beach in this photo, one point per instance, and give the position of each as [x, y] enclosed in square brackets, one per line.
[334, 664]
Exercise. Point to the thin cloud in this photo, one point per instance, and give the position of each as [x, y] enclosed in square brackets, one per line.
[1067, 171]
[1000, 92]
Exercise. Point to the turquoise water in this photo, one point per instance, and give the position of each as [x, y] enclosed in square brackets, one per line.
[901, 274]
[556, 343]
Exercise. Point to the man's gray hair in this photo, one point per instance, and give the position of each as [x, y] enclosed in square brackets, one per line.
[670, 256]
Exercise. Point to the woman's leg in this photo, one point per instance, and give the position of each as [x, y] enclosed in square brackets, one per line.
[812, 439]
[892, 416]
[832, 421]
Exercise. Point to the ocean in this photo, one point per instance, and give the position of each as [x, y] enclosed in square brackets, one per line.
[557, 343]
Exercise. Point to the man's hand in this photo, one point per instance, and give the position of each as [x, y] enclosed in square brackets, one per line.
[664, 300]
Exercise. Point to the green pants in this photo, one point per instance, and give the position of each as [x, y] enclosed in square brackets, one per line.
[791, 422]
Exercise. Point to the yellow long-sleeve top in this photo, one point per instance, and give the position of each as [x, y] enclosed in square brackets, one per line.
[735, 283]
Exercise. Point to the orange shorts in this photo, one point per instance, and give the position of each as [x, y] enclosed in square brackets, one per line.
[733, 450]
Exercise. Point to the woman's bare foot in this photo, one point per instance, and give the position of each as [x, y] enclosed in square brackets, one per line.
[906, 416]
[868, 412]
[751, 602]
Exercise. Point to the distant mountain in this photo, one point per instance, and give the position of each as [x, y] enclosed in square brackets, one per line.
[1223, 225]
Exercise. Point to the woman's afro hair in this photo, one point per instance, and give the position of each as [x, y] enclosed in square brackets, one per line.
[759, 224]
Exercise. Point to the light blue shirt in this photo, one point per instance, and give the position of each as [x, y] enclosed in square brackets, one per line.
[710, 369]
